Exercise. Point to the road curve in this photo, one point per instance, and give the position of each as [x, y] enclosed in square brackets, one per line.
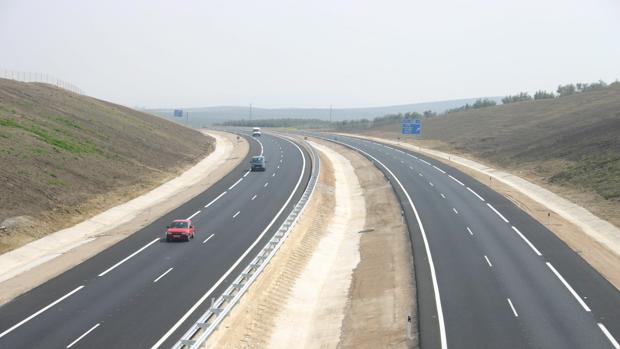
[489, 275]
[137, 293]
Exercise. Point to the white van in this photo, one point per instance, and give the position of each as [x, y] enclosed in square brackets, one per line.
[256, 132]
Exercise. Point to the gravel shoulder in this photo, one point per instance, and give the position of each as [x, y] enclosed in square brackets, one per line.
[34, 263]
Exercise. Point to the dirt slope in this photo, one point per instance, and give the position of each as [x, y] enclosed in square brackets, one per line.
[65, 156]
[570, 144]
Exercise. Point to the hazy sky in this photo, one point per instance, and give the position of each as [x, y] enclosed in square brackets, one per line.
[276, 53]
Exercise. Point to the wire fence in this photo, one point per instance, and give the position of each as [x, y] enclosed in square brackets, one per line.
[39, 77]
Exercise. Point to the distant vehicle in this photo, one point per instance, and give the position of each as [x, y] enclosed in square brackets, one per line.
[258, 163]
[256, 132]
[180, 230]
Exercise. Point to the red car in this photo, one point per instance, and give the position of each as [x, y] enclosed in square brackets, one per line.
[180, 229]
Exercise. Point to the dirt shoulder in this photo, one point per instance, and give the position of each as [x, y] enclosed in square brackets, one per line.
[344, 278]
[588, 235]
[33, 264]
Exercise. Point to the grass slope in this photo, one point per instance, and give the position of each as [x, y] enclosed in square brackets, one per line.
[571, 141]
[61, 151]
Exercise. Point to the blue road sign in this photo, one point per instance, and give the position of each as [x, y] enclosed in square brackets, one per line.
[411, 127]
[178, 113]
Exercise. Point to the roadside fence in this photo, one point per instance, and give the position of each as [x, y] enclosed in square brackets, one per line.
[39, 77]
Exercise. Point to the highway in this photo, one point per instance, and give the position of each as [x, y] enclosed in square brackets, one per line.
[144, 292]
[488, 275]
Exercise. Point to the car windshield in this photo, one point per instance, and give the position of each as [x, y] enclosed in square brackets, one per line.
[257, 159]
[179, 225]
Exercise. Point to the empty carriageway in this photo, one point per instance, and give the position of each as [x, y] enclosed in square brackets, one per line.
[489, 275]
[144, 292]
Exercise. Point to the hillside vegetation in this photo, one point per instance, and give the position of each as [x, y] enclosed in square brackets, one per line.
[65, 156]
[571, 142]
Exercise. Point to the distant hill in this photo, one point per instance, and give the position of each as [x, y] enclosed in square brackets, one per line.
[65, 155]
[212, 115]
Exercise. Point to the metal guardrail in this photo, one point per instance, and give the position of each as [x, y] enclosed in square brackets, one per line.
[208, 322]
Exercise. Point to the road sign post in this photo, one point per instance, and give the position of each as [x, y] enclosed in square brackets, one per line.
[411, 127]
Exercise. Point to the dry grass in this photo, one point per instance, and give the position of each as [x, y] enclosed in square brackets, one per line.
[569, 144]
[65, 156]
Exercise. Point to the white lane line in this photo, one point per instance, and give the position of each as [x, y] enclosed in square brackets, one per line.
[217, 198]
[413, 156]
[431, 184]
[488, 261]
[411, 168]
[259, 143]
[273, 175]
[40, 311]
[569, 287]
[235, 184]
[195, 213]
[470, 232]
[455, 211]
[456, 180]
[497, 212]
[611, 338]
[266, 184]
[278, 166]
[128, 257]
[514, 311]
[82, 336]
[426, 162]
[207, 239]
[420, 174]
[280, 161]
[443, 196]
[236, 214]
[438, 169]
[223, 277]
[162, 275]
[246, 174]
[473, 192]
[429, 256]
[402, 162]
[527, 241]
[254, 197]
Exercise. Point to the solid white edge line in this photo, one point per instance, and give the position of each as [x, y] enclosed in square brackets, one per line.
[438, 169]
[236, 214]
[497, 212]
[217, 198]
[40, 311]
[456, 180]
[488, 261]
[527, 241]
[473, 192]
[207, 239]
[246, 174]
[514, 311]
[470, 232]
[235, 184]
[426, 162]
[569, 287]
[607, 334]
[440, 319]
[162, 275]
[230, 270]
[128, 257]
[195, 213]
[82, 336]
[259, 143]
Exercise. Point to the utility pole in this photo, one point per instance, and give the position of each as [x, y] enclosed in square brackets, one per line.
[330, 113]
[250, 112]
[186, 118]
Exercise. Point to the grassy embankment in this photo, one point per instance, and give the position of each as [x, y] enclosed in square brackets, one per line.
[66, 157]
[570, 144]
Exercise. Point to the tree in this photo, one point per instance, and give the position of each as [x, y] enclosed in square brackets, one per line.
[566, 90]
[429, 113]
[523, 96]
[543, 95]
[483, 103]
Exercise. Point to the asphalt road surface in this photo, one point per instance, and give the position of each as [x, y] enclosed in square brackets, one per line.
[138, 293]
[489, 275]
